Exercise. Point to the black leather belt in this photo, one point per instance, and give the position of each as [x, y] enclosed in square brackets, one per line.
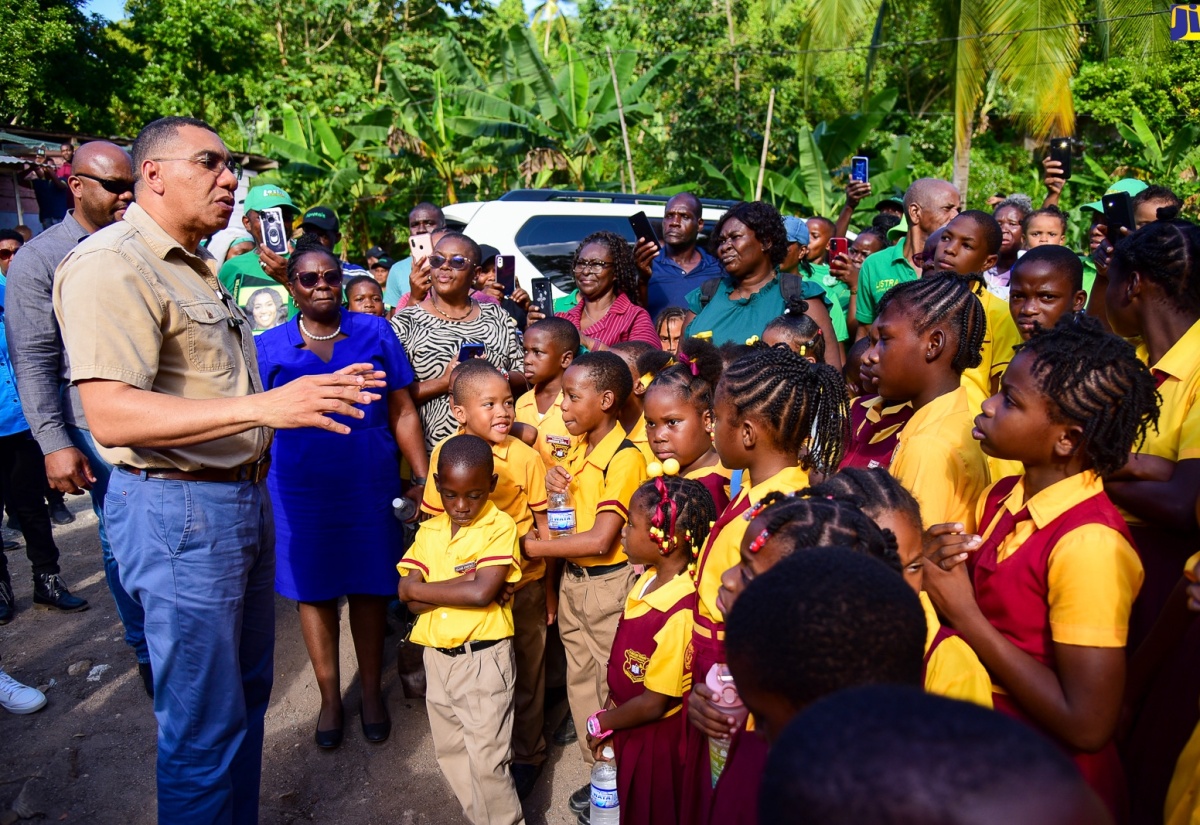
[253, 473]
[597, 570]
[468, 647]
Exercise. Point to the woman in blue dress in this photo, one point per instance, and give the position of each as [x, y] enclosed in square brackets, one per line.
[332, 494]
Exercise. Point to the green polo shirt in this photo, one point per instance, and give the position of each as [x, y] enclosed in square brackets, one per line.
[880, 272]
[243, 276]
[742, 318]
[833, 287]
[1089, 273]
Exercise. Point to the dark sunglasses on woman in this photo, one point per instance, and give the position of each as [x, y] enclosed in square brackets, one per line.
[455, 262]
[332, 278]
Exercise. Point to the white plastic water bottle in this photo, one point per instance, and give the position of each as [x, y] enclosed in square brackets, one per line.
[606, 808]
[560, 514]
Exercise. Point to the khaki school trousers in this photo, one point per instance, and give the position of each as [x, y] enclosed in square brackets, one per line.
[529, 696]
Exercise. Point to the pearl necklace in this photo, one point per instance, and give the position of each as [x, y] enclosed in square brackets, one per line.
[328, 337]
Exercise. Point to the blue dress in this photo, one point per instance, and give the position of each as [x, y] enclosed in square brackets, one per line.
[332, 494]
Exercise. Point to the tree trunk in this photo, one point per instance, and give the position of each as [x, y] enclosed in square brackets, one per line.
[962, 164]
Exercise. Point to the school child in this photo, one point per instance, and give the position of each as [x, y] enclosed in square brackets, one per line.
[796, 331]
[365, 295]
[1155, 203]
[481, 401]
[679, 419]
[632, 352]
[669, 520]
[1045, 227]
[851, 370]
[451, 577]
[925, 334]
[1045, 596]
[875, 425]
[951, 668]
[969, 245]
[1153, 291]
[670, 324]
[1046, 285]
[768, 404]
[550, 346]
[601, 473]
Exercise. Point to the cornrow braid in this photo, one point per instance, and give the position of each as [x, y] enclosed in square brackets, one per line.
[1168, 254]
[796, 400]
[805, 336]
[625, 276]
[796, 522]
[949, 298]
[1095, 379]
[681, 508]
[696, 385]
[876, 490]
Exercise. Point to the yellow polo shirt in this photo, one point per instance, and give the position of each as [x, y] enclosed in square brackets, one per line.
[489, 541]
[642, 441]
[1094, 573]
[725, 550]
[998, 342]
[603, 481]
[1183, 796]
[666, 672]
[520, 491]
[939, 463]
[953, 670]
[553, 441]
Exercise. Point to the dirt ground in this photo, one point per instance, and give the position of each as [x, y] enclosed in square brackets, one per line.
[89, 755]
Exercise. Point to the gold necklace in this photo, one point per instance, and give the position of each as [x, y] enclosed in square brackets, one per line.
[592, 320]
[434, 301]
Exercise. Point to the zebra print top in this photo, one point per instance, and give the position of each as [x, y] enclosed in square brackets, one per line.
[432, 343]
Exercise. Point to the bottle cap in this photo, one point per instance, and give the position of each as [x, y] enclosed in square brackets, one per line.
[607, 752]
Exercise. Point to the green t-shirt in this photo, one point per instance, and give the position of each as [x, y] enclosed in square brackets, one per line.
[247, 283]
[833, 287]
[1089, 274]
[880, 272]
[742, 318]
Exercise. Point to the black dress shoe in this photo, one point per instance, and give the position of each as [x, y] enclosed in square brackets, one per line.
[8, 603]
[525, 777]
[327, 739]
[581, 800]
[147, 674]
[59, 513]
[50, 593]
[565, 734]
[377, 732]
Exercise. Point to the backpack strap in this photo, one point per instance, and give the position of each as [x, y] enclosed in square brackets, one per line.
[707, 290]
[625, 444]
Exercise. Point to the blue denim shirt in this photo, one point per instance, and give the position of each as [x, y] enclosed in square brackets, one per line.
[12, 420]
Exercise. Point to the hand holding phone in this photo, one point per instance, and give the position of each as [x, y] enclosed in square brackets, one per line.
[1060, 152]
[1118, 215]
[506, 273]
[642, 228]
[543, 297]
[837, 246]
[274, 230]
[468, 351]
[421, 246]
[859, 169]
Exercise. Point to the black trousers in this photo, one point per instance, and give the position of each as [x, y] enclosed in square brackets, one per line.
[22, 487]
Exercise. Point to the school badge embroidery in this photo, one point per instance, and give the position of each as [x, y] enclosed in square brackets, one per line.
[635, 665]
[688, 652]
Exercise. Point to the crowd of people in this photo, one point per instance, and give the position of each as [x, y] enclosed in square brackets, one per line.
[895, 525]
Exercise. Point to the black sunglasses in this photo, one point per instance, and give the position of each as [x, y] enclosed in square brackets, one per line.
[332, 278]
[113, 187]
[455, 262]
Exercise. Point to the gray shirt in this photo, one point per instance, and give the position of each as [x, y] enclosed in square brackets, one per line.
[35, 344]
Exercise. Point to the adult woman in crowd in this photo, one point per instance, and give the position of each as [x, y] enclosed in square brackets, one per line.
[751, 242]
[332, 494]
[434, 330]
[1010, 213]
[607, 278]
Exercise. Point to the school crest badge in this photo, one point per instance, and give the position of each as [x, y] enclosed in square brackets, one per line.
[688, 653]
[635, 665]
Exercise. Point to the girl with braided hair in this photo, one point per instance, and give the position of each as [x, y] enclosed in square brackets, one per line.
[607, 279]
[951, 668]
[669, 520]
[769, 405]
[796, 331]
[925, 334]
[1044, 597]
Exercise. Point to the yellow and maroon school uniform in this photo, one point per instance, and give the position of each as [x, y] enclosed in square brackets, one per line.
[648, 653]
[739, 798]
[1059, 570]
[950, 667]
[874, 431]
[715, 479]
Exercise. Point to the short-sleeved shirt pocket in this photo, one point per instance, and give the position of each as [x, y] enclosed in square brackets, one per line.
[209, 348]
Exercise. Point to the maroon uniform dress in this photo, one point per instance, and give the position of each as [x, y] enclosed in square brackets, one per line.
[649, 763]
[1014, 596]
[875, 427]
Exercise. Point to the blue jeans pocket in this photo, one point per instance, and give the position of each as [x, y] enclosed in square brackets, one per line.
[177, 515]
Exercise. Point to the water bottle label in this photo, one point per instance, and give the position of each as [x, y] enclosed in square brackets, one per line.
[561, 521]
[604, 799]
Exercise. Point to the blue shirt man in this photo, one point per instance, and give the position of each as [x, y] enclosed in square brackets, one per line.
[680, 266]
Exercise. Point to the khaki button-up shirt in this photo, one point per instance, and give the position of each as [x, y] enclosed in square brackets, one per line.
[136, 307]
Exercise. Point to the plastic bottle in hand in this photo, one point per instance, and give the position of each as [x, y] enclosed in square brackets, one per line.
[403, 508]
[605, 808]
[560, 514]
[725, 698]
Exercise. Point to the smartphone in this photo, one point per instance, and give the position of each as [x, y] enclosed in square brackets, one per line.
[1118, 213]
[642, 228]
[543, 296]
[837, 246]
[421, 246]
[274, 230]
[506, 273]
[468, 351]
[858, 169]
[1060, 150]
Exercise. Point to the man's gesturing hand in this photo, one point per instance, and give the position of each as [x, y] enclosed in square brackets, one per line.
[311, 400]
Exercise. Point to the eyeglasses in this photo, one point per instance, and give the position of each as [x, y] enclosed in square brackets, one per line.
[212, 162]
[455, 262]
[113, 187]
[594, 266]
[5, 254]
[331, 277]
[856, 253]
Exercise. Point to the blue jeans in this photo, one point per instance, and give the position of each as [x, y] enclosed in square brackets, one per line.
[130, 612]
[199, 557]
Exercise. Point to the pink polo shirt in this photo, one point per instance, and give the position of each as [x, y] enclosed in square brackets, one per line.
[622, 322]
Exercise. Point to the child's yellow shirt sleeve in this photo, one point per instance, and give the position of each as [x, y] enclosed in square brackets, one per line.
[664, 674]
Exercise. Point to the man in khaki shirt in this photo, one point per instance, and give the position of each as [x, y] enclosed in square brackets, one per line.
[166, 369]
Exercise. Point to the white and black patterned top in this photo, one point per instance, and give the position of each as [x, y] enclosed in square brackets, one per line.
[432, 343]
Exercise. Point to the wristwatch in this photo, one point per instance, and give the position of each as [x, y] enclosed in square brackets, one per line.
[418, 481]
[594, 728]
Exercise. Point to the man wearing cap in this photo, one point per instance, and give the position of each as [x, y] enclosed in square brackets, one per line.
[680, 266]
[379, 269]
[374, 254]
[245, 274]
[323, 222]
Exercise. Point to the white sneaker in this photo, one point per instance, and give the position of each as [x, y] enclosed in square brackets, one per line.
[19, 698]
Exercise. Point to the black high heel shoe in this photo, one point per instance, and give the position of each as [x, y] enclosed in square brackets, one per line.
[377, 732]
[329, 739]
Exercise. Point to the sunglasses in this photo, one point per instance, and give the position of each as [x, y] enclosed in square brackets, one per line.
[455, 262]
[113, 187]
[332, 278]
[5, 254]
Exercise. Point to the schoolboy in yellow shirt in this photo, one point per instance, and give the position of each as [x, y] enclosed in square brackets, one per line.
[550, 347]
[451, 578]
[601, 473]
[481, 401]
[633, 417]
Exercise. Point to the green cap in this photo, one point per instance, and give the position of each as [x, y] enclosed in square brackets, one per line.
[1130, 186]
[898, 231]
[266, 196]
